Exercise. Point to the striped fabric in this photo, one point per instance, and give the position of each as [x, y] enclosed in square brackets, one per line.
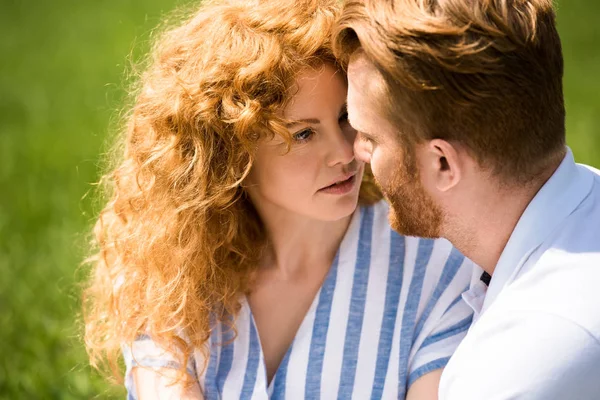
[389, 311]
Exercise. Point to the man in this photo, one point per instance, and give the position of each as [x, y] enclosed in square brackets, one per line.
[460, 112]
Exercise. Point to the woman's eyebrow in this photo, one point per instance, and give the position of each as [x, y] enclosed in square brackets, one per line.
[314, 121]
[303, 121]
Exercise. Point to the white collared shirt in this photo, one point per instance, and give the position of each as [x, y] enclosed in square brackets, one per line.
[536, 334]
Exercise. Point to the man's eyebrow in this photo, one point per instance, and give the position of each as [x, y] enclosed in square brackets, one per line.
[362, 132]
[303, 121]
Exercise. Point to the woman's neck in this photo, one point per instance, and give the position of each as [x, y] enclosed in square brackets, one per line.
[297, 243]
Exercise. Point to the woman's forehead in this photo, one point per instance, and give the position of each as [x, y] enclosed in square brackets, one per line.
[316, 89]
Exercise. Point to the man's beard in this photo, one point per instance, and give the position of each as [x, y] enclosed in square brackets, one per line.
[413, 212]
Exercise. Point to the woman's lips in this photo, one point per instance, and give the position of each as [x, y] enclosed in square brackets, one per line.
[342, 187]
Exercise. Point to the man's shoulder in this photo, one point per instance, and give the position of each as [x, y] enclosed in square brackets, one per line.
[539, 339]
[560, 283]
[562, 276]
[580, 230]
[527, 353]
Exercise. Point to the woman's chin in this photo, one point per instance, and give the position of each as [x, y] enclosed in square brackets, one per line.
[339, 209]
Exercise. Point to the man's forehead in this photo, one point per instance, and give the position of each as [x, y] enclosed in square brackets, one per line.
[366, 87]
[359, 61]
[364, 77]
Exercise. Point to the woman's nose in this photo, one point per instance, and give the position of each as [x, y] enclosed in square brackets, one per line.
[342, 151]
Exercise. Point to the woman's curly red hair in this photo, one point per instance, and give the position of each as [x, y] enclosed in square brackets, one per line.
[179, 240]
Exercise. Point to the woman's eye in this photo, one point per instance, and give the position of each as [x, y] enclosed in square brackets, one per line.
[303, 135]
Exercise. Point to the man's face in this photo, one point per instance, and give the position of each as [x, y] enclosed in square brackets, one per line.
[393, 158]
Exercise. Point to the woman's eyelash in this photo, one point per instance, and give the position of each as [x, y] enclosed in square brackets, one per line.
[303, 135]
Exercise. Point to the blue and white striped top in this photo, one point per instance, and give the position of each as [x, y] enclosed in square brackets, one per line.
[389, 311]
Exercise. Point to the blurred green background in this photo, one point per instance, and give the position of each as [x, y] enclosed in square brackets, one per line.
[62, 78]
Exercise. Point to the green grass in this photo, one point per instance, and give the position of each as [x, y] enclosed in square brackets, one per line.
[61, 83]
[61, 80]
[580, 34]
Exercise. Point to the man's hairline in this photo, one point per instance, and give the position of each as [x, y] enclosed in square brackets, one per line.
[378, 88]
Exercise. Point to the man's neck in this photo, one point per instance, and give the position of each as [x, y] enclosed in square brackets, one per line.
[481, 227]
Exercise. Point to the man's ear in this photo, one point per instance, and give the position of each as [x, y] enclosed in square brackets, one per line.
[444, 164]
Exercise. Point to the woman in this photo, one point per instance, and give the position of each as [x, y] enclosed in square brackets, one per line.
[232, 259]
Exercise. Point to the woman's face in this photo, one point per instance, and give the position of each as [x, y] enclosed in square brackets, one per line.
[319, 177]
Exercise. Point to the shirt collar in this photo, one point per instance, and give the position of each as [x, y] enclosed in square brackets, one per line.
[554, 202]
[475, 296]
